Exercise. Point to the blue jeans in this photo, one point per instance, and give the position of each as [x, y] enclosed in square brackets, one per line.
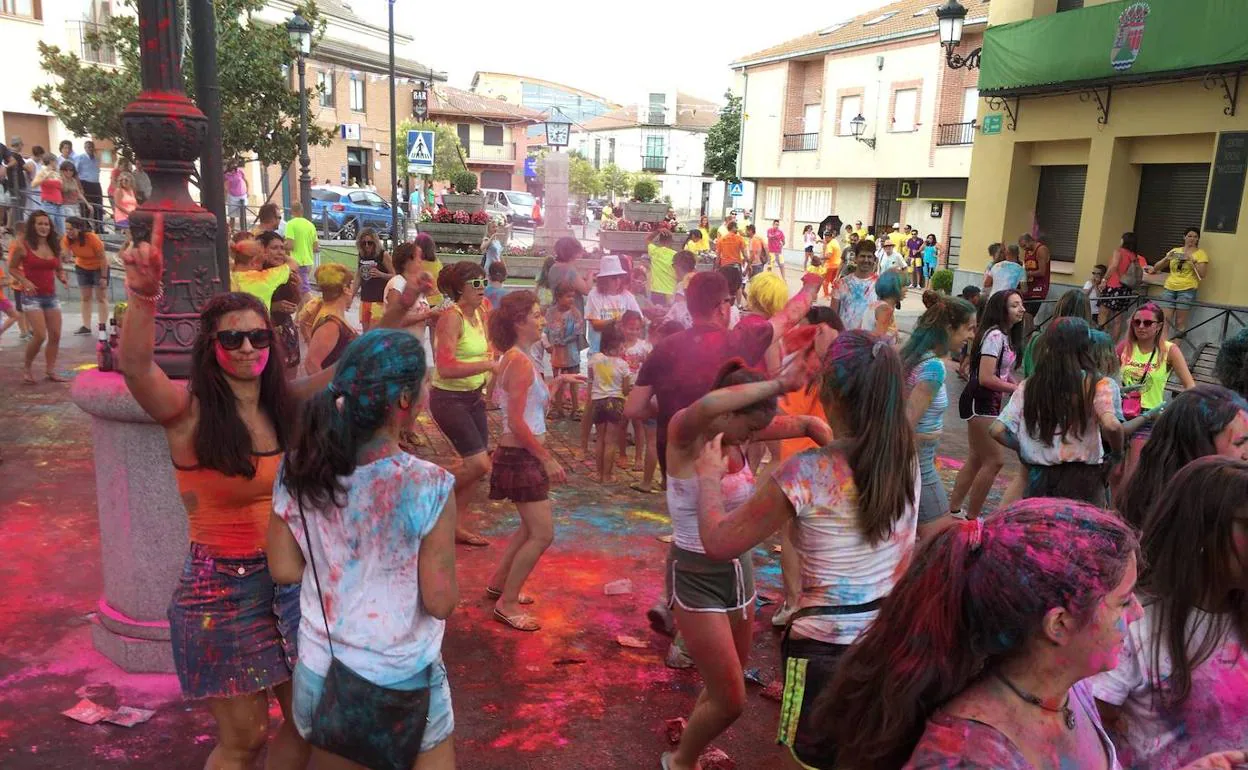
[54, 210]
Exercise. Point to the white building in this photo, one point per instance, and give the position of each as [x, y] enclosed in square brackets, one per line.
[913, 158]
[663, 133]
[62, 23]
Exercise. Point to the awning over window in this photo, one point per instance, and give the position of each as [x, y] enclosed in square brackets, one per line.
[1128, 41]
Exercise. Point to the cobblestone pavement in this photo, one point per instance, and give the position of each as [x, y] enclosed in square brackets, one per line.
[568, 696]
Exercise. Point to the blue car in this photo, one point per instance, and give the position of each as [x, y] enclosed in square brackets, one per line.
[344, 211]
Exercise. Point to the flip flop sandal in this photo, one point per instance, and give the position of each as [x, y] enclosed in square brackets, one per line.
[56, 377]
[637, 487]
[496, 594]
[28, 379]
[521, 622]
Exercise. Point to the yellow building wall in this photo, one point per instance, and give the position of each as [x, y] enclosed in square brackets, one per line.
[1163, 123]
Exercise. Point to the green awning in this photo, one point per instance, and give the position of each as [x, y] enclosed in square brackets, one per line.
[1123, 41]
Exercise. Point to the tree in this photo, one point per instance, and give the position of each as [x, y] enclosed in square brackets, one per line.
[446, 148]
[723, 141]
[584, 181]
[259, 109]
[615, 180]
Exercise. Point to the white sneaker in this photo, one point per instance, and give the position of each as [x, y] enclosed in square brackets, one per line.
[780, 618]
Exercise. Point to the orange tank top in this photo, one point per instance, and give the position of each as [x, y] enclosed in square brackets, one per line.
[229, 514]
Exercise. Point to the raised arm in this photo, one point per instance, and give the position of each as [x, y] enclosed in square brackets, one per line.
[796, 308]
[164, 401]
[728, 534]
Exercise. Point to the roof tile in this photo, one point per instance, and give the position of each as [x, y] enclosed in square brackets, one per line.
[445, 100]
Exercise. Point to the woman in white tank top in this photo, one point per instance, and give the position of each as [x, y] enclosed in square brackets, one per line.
[713, 601]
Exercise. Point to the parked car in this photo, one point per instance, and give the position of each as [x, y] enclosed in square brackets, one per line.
[596, 207]
[515, 205]
[344, 211]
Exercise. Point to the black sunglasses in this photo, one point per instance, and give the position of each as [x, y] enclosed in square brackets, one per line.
[233, 340]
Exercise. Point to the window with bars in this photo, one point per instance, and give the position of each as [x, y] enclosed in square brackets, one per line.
[325, 82]
[812, 204]
[357, 94]
[771, 202]
[654, 146]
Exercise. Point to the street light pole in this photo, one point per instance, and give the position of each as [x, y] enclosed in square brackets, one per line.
[305, 176]
[394, 130]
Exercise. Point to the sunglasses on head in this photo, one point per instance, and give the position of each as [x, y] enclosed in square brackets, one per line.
[233, 340]
[478, 283]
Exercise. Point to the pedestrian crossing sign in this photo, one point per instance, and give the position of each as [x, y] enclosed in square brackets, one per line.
[736, 189]
[419, 152]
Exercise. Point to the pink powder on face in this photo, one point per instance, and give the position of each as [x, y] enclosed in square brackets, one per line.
[231, 367]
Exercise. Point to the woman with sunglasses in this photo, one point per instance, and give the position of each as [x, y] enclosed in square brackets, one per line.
[1147, 358]
[375, 271]
[233, 628]
[462, 362]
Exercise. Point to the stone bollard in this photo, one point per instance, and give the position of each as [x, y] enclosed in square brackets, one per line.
[143, 527]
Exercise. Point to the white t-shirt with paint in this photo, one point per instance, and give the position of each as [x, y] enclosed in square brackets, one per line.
[605, 307]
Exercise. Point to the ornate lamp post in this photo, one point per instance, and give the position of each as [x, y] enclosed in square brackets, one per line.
[300, 31]
[858, 125]
[950, 18]
[557, 129]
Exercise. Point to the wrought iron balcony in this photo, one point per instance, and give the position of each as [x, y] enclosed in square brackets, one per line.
[654, 163]
[801, 142]
[952, 134]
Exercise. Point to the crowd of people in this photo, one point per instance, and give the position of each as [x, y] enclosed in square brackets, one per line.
[919, 631]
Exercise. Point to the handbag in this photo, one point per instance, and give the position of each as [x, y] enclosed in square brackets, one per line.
[371, 725]
[975, 398]
[1132, 405]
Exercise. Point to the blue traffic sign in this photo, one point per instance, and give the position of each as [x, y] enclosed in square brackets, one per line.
[530, 167]
[419, 152]
[736, 189]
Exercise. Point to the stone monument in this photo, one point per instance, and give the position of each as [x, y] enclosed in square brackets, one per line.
[555, 222]
[143, 528]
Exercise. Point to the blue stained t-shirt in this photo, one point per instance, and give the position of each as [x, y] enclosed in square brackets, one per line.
[932, 371]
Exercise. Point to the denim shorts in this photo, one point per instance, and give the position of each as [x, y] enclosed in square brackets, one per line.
[438, 725]
[460, 415]
[234, 630]
[40, 302]
[89, 278]
[1177, 300]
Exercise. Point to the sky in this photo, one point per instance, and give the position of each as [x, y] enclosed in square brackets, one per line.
[618, 50]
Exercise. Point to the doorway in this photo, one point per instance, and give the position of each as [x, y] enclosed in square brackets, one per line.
[358, 166]
[887, 206]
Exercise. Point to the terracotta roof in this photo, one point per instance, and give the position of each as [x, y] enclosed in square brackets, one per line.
[692, 113]
[444, 100]
[899, 19]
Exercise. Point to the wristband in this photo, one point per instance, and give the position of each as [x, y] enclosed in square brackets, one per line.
[151, 299]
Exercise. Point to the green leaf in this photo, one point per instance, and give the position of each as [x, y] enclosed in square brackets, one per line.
[723, 141]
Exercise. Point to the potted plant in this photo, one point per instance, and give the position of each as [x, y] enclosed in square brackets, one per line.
[451, 228]
[625, 236]
[942, 281]
[643, 207]
[468, 197]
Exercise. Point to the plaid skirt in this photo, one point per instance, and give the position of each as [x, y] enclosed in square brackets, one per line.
[518, 476]
[234, 631]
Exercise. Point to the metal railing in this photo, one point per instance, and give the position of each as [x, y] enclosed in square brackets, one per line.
[954, 134]
[655, 117]
[654, 163]
[801, 142]
[478, 150]
[88, 51]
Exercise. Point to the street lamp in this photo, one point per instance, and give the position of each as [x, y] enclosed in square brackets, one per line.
[300, 31]
[951, 16]
[859, 125]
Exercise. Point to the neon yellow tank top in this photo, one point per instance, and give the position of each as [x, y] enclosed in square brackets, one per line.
[1152, 370]
[470, 349]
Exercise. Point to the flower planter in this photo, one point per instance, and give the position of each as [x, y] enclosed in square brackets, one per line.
[470, 203]
[622, 241]
[449, 232]
[645, 212]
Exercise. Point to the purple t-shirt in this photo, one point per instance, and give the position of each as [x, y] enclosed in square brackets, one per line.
[682, 367]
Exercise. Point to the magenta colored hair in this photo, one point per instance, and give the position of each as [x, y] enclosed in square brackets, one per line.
[960, 610]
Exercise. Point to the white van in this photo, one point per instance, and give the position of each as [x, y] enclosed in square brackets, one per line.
[515, 205]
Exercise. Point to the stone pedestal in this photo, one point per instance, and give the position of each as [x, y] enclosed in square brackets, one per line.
[143, 529]
[555, 205]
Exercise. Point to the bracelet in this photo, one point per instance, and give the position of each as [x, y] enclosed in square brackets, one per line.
[150, 299]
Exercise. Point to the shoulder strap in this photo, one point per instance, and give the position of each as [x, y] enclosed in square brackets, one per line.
[320, 595]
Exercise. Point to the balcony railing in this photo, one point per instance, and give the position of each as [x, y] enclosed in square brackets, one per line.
[655, 118]
[801, 142]
[486, 152]
[951, 134]
[79, 32]
[654, 163]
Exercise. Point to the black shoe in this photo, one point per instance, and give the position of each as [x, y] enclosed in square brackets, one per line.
[82, 330]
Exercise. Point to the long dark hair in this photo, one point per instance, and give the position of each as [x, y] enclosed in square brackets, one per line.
[374, 371]
[512, 310]
[997, 316]
[862, 379]
[1073, 304]
[931, 332]
[222, 441]
[1191, 560]
[81, 226]
[974, 597]
[1059, 394]
[1185, 431]
[32, 238]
